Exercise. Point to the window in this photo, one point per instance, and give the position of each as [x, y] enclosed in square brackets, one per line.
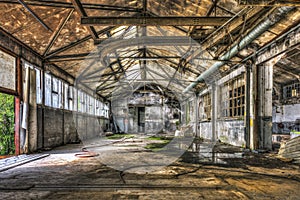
[8, 71]
[75, 97]
[66, 102]
[106, 109]
[39, 93]
[56, 93]
[90, 104]
[70, 97]
[97, 107]
[59, 94]
[292, 90]
[205, 107]
[233, 97]
[48, 89]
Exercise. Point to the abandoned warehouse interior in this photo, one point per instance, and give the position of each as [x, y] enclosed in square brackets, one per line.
[149, 90]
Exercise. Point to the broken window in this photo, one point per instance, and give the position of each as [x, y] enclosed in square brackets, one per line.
[66, 103]
[292, 90]
[81, 101]
[233, 97]
[75, 97]
[48, 89]
[106, 109]
[70, 97]
[56, 92]
[102, 111]
[39, 92]
[90, 104]
[205, 107]
[97, 107]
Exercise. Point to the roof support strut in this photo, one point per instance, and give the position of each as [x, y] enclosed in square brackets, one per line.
[77, 4]
[34, 15]
[255, 33]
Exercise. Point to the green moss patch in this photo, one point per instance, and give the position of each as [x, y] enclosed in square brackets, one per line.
[157, 146]
[119, 136]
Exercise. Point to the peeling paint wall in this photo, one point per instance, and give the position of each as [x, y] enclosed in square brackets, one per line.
[228, 128]
[284, 118]
[7, 42]
[232, 132]
[60, 127]
[154, 119]
[157, 116]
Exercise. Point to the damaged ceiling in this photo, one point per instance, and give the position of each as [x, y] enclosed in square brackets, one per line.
[109, 45]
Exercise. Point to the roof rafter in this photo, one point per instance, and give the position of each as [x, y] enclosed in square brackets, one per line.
[79, 8]
[56, 34]
[73, 44]
[57, 4]
[154, 21]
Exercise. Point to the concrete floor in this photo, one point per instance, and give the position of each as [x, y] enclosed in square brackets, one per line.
[224, 173]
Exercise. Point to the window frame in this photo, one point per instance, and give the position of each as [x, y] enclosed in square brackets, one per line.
[233, 98]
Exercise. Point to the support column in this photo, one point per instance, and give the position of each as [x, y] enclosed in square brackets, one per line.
[196, 115]
[33, 127]
[214, 110]
[264, 105]
[18, 112]
[251, 106]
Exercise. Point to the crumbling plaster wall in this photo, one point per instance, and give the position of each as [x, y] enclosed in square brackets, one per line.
[284, 118]
[229, 130]
[63, 127]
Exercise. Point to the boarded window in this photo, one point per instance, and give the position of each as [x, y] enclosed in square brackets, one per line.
[7, 71]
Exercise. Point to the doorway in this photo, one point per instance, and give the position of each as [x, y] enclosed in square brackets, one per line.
[7, 118]
[141, 119]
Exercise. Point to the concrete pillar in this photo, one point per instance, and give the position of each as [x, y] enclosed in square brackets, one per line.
[196, 115]
[250, 106]
[33, 128]
[214, 110]
[264, 105]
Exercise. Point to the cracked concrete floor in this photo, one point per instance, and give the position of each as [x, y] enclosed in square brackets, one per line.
[62, 175]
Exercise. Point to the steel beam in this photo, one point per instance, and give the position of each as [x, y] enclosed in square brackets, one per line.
[73, 44]
[172, 62]
[154, 21]
[34, 15]
[269, 2]
[78, 6]
[95, 6]
[55, 36]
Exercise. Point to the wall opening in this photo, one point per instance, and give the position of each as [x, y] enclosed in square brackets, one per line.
[7, 137]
